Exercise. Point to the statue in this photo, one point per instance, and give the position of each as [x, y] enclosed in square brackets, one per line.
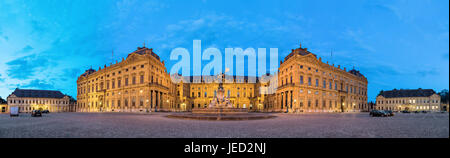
[220, 101]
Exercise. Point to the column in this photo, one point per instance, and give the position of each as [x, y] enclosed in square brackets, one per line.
[161, 100]
[291, 105]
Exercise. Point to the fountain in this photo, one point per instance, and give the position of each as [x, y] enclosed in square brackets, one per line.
[221, 108]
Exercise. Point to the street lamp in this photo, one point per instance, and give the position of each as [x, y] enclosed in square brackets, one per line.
[295, 102]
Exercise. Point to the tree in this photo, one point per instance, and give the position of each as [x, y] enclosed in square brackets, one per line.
[444, 96]
[2, 101]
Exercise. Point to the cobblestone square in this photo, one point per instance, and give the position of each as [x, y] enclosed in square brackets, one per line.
[157, 125]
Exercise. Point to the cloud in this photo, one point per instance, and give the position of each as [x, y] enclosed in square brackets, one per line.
[425, 73]
[358, 37]
[25, 67]
[26, 49]
[1, 79]
[70, 74]
[38, 84]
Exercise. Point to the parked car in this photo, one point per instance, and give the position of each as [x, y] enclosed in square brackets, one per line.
[379, 113]
[389, 112]
[45, 111]
[416, 112]
[36, 113]
[424, 111]
[406, 111]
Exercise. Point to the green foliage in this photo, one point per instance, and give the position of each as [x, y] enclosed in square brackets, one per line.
[444, 96]
[2, 101]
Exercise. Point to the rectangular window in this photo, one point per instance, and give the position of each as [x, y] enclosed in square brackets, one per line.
[134, 80]
[317, 82]
[309, 81]
[324, 84]
[113, 85]
[126, 81]
[142, 78]
[301, 79]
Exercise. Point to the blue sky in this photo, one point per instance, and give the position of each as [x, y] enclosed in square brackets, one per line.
[395, 44]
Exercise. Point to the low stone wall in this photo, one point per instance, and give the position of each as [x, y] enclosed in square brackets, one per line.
[220, 111]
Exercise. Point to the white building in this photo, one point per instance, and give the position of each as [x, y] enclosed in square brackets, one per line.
[28, 100]
[409, 99]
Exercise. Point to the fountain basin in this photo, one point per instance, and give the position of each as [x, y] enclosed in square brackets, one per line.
[221, 117]
[220, 111]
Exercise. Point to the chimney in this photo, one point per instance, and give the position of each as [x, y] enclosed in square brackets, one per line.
[320, 58]
[345, 69]
[339, 66]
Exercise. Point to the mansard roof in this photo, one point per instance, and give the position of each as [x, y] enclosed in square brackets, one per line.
[191, 78]
[88, 72]
[407, 93]
[356, 73]
[145, 50]
[31, 93]
[300, 51]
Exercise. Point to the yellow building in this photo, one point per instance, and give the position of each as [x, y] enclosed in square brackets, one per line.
[306, 84]
[141, 83]
[4, 108]
[138, 84]
[201, 91]
[409, 99]
[28, 100]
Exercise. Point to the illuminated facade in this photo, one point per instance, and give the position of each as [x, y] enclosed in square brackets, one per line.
[409, 99]
[138, 84]
[199, 93]
[28, 100]
[4, 108]
[306, 84]
[141, 83]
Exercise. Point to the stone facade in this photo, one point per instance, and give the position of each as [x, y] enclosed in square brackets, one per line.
[28, 100]
[306, 84]
[141, 83]
[409, 99]
[198, 94]
[138, 84]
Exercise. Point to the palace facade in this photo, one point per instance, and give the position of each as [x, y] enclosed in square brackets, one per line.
[409, 99]
[28, 100]
[141, 83]
[306, 84]
[138, 84]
